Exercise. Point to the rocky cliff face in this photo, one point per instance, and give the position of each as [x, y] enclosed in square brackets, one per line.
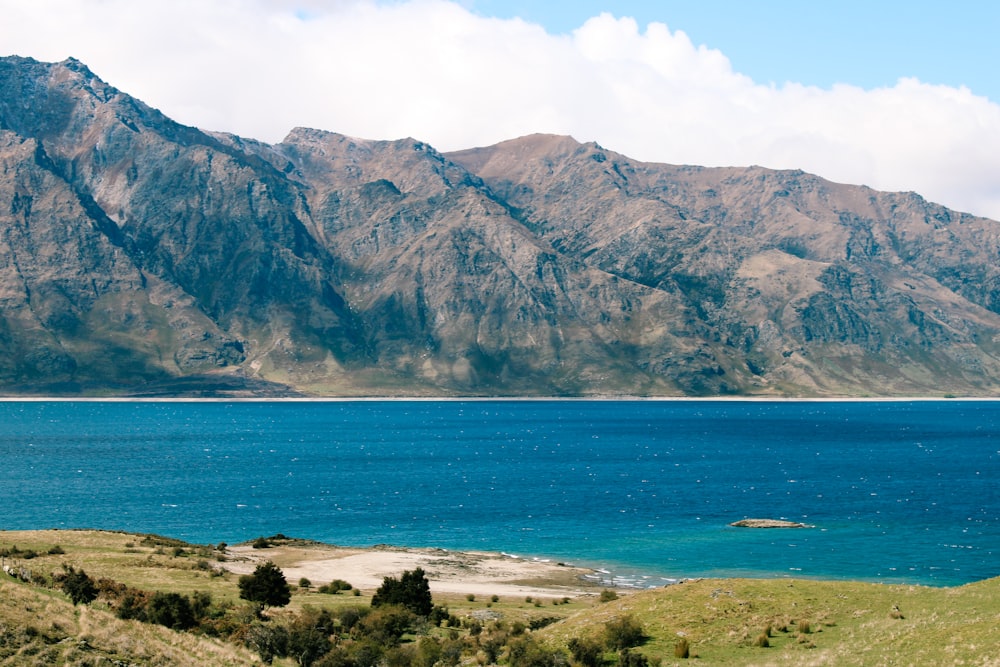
[141, 256]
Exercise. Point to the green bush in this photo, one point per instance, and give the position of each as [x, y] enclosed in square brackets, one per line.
[438, 615]
[411, 590]
[78, 586]
[132, 605]
[350, 617]
[309, 636]
[268, 640]
[586, 652]
[172, 610]
[387, 624]
[526, 652]
[622, 633]
[629, 659]
[682, 649]
[335, 587]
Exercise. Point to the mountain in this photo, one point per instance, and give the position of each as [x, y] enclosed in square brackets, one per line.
[139, 256]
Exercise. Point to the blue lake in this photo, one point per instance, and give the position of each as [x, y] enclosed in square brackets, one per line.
[897, 491]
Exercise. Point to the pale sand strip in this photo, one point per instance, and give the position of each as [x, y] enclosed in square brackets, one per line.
[452, 572]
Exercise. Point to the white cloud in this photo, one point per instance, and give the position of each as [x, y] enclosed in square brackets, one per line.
[435, 71]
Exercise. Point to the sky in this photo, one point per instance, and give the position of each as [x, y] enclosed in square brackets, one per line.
[895, 95]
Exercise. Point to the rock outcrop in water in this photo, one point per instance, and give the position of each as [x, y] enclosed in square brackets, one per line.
[141, 256]
[768, 523]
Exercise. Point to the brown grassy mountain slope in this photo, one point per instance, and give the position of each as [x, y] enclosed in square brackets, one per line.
[799, 281]
[141, 256]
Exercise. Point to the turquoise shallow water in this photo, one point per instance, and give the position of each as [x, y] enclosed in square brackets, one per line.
[897, 491]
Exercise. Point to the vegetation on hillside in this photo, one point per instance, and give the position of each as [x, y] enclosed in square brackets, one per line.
[94, 598]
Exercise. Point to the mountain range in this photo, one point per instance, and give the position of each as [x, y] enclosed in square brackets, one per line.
[142, 257]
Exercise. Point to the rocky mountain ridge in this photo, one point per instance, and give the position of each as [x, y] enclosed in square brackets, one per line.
[140, 256]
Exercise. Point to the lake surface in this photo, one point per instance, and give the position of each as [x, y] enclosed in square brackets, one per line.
[897, 491]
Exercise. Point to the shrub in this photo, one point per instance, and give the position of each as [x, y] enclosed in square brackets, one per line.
[439, 614]
[586, 652]
[804, 627]
[270, 641]
[305, 583]
[172, 610]
[682, 649]
[201, 603]
[629, 659]
[608, 595]
[470, 597]
[349, 617]
[411, 590]
[78, 586]
[132, 606]
[762, 641]
[335, 587]
[261, 543]
[309, 636]
[387, 624]
[539, 623]
[56, 550]
[526, 652]
[428, 652]
[623, 633]
[495, 598]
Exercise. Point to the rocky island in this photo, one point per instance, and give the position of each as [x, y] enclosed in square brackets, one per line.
[769, 523]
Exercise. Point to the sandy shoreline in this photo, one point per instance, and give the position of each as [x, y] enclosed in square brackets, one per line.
[449, 572]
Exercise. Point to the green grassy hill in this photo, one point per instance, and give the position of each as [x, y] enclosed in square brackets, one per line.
[807, 622]
[724, 621]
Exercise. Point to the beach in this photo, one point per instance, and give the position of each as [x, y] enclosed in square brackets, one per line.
[449, 572]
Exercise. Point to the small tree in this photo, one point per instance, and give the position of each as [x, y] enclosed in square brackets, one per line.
[411, 590]
[266, 587]
[78, 586]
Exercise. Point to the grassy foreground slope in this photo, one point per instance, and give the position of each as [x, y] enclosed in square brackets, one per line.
[41, 627]
[805, 622]
[810, 622]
